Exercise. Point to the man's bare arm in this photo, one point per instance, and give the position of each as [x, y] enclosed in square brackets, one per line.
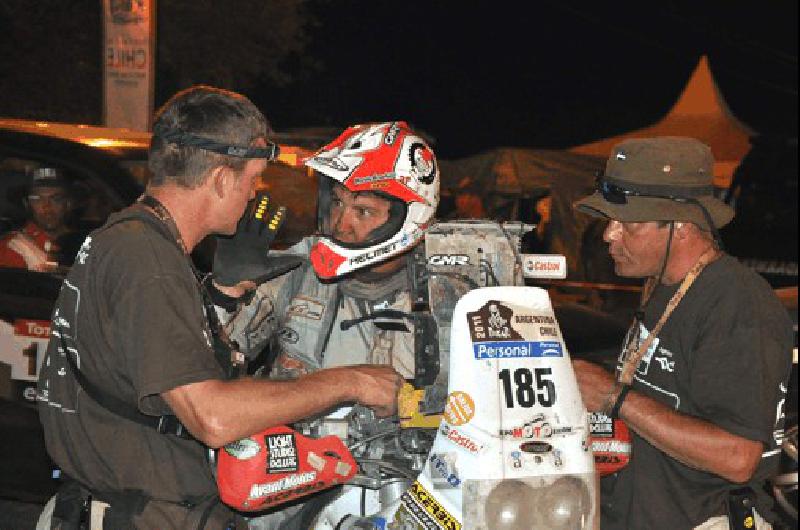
[697, 443]
[218, 412]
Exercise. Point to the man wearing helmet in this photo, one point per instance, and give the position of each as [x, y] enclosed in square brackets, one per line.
[350, 302]
[378, 190]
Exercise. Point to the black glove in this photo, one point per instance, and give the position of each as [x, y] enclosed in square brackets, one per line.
[243, 256]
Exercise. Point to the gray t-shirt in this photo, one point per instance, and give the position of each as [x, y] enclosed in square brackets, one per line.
[723, 356]
[132, 313]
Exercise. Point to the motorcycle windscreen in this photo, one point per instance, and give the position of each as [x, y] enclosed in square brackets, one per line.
[513, 449]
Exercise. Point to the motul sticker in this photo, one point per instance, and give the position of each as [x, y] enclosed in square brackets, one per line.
[243, 449]
[281, 453]
[460, 408]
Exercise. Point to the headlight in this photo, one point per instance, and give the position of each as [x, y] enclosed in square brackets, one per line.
[529, 503]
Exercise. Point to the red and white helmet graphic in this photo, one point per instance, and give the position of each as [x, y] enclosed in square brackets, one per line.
[387, 159]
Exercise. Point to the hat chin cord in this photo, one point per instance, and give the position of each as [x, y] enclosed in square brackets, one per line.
[666, 254]
[640, 311]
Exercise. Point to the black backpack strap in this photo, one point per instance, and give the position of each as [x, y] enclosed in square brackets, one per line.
[166, 424]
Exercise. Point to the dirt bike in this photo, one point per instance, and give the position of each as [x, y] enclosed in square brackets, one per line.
[492, 432]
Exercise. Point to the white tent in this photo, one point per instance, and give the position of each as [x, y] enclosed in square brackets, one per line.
[700, 112]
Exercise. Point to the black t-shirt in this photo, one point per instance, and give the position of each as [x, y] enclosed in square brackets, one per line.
[132, 311]
[723, 356]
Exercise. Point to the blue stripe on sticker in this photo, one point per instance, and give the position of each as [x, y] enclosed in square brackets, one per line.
[513, 349]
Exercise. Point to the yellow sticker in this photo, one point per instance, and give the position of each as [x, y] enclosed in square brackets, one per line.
[408, 409]
[460, 408]
[431, 505]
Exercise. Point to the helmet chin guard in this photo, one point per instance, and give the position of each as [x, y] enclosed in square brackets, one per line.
[388, 159]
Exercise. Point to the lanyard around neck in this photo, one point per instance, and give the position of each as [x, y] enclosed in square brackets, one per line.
[162, 214]
[630, 358]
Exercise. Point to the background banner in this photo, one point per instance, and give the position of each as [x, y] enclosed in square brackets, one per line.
[128, 63]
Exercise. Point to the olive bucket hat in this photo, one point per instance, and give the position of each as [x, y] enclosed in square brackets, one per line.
[658, 179]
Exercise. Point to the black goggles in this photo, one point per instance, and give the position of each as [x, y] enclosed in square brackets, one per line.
[616, 194]
[176, 136]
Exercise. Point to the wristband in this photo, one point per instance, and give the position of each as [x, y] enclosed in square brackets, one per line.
[611, 398]
[618, 403]
[220, 299]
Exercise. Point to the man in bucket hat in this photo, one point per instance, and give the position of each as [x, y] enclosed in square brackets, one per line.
[702, 376]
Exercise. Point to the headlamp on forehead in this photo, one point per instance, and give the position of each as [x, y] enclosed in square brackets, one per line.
[179, 137]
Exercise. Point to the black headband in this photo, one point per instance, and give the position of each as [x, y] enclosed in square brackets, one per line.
[176, 136]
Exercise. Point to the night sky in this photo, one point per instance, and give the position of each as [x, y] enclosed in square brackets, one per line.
[477, 75]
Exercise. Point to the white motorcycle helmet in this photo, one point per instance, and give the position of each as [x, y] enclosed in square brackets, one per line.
[391, 161]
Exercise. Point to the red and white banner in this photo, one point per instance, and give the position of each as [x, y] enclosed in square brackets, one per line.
[128, 63]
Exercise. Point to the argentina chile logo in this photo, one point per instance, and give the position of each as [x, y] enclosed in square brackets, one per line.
[493, 336]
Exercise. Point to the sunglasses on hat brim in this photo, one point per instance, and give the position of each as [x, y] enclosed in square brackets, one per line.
[617, 194]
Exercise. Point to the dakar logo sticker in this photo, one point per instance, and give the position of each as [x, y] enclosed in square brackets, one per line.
[492, 322]
[281, 453]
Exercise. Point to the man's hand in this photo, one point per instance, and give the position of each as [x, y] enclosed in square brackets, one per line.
[243, 256]
[595, 384]
[377, 386]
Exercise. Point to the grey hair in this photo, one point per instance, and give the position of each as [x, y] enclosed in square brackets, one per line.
[213, 113]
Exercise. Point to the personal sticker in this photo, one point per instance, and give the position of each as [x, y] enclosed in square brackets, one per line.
[516, 349]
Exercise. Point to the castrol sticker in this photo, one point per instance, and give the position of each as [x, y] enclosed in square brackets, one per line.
[544, 266]
[460, 408]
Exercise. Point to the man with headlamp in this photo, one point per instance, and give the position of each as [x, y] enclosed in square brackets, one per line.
[139, 376]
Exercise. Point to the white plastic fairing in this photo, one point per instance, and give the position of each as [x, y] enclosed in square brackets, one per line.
[512, 450]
